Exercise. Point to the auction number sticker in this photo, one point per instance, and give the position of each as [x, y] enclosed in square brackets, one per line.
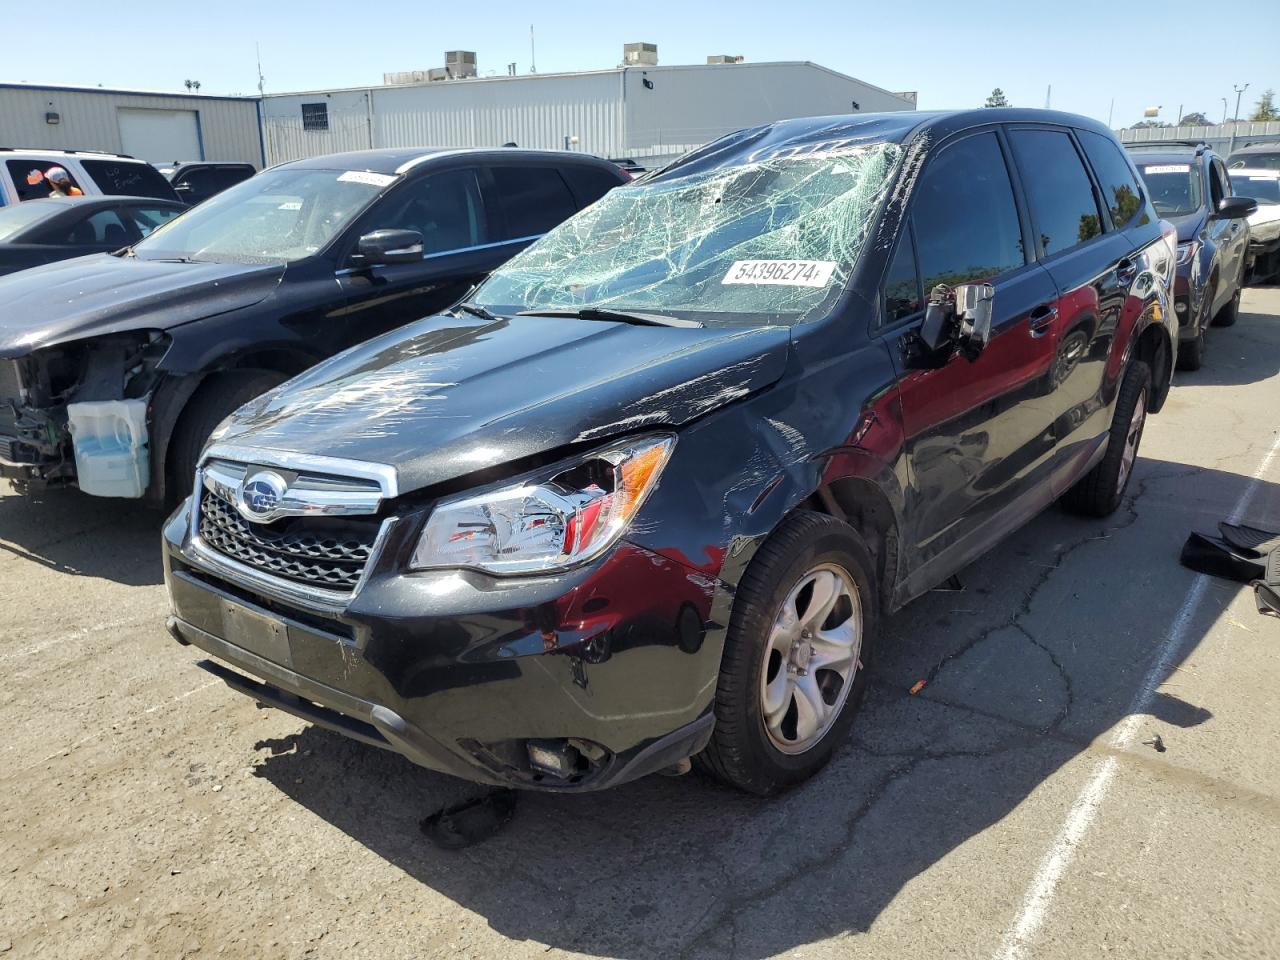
[363, 176]
[787, 273]
[1167, 168]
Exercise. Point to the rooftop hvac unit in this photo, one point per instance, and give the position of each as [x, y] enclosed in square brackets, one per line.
[725, 58]
[400, 77]
[640, 54]
[460, 63]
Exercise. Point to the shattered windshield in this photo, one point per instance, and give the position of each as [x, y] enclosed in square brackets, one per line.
[770, 241]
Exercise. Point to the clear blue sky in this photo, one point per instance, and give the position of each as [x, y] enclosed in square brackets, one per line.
[953, 53]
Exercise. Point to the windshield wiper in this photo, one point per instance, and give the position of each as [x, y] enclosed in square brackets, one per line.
[478, 311]
[619, 316]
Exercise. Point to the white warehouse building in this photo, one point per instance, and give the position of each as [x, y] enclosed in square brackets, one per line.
[647, 112]
[154, 126]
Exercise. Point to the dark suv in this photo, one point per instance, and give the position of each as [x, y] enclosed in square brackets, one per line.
[649, 492]
[115, 368]
[1189, 187]
[195, 181]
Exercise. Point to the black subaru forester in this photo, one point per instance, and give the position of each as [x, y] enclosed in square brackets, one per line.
[647, 494]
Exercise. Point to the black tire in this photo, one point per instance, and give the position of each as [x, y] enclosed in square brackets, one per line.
[1191, 352]
[215, 399]
[740, 752]
[1230, 311]
[1099, 492]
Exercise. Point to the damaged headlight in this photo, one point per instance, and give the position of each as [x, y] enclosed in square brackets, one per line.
[546, 524]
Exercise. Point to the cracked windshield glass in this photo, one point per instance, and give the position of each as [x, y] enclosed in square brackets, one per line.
[766, 242]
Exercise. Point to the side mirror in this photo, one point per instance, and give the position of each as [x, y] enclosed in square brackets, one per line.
[389, 246]
[1236, 208]
[959, 315]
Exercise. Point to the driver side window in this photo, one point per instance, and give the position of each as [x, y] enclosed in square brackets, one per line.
[444, 207]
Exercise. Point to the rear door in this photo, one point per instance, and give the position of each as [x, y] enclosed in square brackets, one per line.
[976, 429]
[1237, 234]
[459, 249]
[1092, 265]
[529, 199]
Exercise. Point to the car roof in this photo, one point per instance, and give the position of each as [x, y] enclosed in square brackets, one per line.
[1263, 172]
[1257, 148]
[1186, 155]
[187, 164]
[788, 137]
[400, 160]
[6, 152]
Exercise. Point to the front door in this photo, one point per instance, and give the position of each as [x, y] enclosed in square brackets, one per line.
[460, 248]
[975, 429]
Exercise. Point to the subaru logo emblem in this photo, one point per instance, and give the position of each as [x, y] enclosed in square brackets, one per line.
[260, 494]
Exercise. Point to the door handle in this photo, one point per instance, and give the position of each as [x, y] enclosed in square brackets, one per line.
[1126, 270]
[1041, 319]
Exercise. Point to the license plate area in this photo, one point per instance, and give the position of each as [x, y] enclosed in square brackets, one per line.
[255, 632]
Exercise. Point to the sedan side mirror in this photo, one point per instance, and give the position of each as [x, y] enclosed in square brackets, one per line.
[959, 315]
[389, 246]
[1236, 208]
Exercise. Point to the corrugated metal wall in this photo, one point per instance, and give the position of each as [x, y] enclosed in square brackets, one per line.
[611, 112]
[87, 120]
[693, 105]
[536, 112]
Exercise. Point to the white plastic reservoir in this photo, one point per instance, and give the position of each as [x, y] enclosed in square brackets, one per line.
[110, 440]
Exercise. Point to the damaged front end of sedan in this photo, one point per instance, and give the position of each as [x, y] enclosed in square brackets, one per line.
[77, 413]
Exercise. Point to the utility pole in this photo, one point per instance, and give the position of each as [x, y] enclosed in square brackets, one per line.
[257, 47]
[1048, 95]
[1224, 110]
[533, 59]
[1111, 110]
[1236, 119]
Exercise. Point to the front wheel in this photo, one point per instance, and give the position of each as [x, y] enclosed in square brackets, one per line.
[1099, 492]
[794, 672]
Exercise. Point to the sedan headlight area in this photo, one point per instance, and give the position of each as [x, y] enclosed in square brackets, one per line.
[1186, 251]
[547, 523]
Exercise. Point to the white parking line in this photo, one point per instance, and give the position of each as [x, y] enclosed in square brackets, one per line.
[1035, 904]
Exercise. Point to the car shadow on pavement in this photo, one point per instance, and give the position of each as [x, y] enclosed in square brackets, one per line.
[1241, 354]
[1032, 663]
[67, 531]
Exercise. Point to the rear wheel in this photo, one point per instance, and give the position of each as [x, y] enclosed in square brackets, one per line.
[794, 668]
[1099, 492]
[216, 398]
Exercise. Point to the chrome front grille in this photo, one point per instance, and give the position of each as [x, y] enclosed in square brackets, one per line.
[325, 545]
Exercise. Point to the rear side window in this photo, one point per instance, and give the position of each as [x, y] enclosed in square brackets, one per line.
[129, 179]
[1063, 207]
[590, 183]
[1120, 187]
[964, 217]
[535, 199]
[23, 172]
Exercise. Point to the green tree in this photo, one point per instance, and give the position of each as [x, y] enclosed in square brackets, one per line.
[1194, 120]
[1266, 107]
[997, 99]
[1145, 124]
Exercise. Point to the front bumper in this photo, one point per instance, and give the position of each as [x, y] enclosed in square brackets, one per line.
[613, 664]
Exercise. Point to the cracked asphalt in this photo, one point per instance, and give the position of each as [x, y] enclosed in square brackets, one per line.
[1090, 769]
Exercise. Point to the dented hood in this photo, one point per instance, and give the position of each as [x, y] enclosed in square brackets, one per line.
[446, 397]
[104, 293]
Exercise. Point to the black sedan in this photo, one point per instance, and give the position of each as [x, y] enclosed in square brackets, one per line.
[42, 231]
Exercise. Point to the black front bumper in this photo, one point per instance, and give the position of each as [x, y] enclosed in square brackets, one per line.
[615, 662]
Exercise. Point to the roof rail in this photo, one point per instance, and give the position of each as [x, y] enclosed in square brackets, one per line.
[95, 153]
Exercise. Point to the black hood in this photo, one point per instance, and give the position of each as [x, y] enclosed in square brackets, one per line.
[446, 397]
[104, 293]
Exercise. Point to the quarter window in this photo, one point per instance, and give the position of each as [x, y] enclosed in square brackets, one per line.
[964, 217]
[902, 283]
[1063, 207]
[535, 199]
[1119, 185]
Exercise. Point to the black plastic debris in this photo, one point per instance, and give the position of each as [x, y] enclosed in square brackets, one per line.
[1244, 553]
[470, 821]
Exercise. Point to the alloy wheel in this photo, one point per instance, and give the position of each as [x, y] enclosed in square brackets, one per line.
[1132, 436]
[811, 658]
